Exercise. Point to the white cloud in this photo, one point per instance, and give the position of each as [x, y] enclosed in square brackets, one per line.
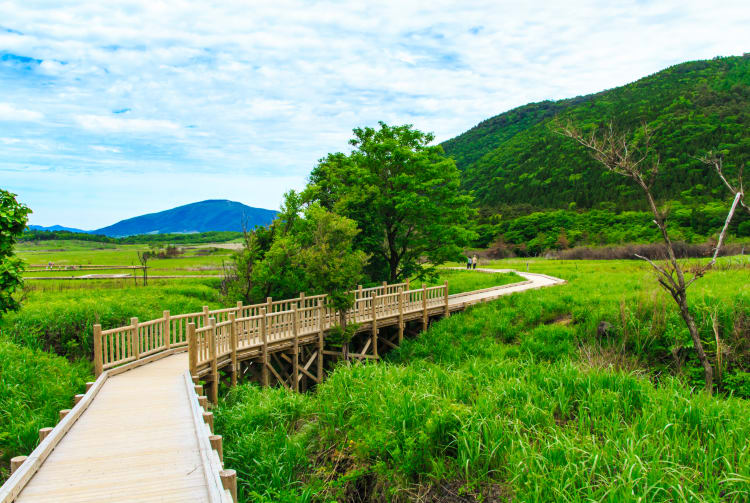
[10, 113]
[269, 89]
[114, 124]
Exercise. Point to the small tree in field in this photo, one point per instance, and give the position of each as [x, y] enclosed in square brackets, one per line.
[634, 159]
[13, 216]
[330, 263]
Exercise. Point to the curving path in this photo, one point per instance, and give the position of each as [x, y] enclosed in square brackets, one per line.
[137, 441]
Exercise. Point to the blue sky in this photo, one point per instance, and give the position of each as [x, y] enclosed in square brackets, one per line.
[113, 109]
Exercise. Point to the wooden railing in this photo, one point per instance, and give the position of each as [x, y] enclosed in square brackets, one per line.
[216, 342]
[220, 332]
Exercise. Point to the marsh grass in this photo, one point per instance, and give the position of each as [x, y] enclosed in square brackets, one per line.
[34, 387]
[508, 395]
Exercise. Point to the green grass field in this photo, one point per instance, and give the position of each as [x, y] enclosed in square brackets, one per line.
[520, 399]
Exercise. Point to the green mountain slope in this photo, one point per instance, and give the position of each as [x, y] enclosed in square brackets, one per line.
[516, 158]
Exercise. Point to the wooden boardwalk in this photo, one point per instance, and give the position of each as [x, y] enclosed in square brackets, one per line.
[135, 442]
[139, 435]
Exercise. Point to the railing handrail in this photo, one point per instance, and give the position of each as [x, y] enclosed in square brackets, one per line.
[120, 345]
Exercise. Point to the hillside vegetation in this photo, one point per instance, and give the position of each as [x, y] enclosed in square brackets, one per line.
[516, 158]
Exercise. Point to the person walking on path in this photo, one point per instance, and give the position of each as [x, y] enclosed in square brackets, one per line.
[474, 261]
[468, 262]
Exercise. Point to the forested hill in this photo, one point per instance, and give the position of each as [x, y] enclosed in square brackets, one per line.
[516, 158]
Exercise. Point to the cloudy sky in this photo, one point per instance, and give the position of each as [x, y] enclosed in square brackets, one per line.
[110, 109]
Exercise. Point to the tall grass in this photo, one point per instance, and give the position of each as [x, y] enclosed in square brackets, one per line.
[62, 322]
[499, 399]
[34, 387]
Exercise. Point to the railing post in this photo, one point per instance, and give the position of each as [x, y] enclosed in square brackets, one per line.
[15, 463]
[229, 482]
[135, 338]
[301, 302]
[407, 285]
[98, 363]
[447, 309]
[424, 307]
[358, 305]
[295, 348]
[166, 331]
[264, 342]
[214, 368]
[239, 309]
[321, 340]
[375, 325]
[269, 310]
[400, 315]
[385, 287]
[233, 343]
[192, 349]
[205, 316]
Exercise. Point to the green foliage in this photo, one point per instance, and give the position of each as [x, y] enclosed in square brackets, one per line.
[326, 256]
[402, 193]
[536, 232]
[519, 394]
[34, 387]
[13, 217]
[517, 157]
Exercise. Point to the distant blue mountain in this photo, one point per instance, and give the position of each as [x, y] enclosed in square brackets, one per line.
[54, 228]
[211, 215]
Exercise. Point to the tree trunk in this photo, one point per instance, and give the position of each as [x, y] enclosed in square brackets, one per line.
[708, 370]
[345, 345]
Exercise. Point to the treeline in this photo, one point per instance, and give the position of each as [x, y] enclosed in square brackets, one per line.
[200, 237]
[517, 158]
[539, 232]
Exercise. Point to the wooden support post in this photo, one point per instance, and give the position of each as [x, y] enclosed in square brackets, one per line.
[295, 349]
[205, 316]
[203, 402]
[375, 325]
[229, 482]
[208, 418]
[239, 309]
[321, 339]
[216, 445]
[135, 337]
[167, 330]
[424, 307]
[233, 342]
[192, 349]
[214, 396]
[407, 285]
[385, 287]
[43, 432]
[15, 463]
[198, 389]
[264, 348]
[195, 379]
[400, 316]
[447, 309]
[89, 385]
[98, 363]
[77, 399]
[64, 413]
[301, 302]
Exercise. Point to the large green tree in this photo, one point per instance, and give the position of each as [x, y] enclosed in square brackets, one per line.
[13, 216]
[403, 193]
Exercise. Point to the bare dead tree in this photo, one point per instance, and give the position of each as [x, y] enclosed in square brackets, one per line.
[143, 258]
[715, 161]
[631, 156]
